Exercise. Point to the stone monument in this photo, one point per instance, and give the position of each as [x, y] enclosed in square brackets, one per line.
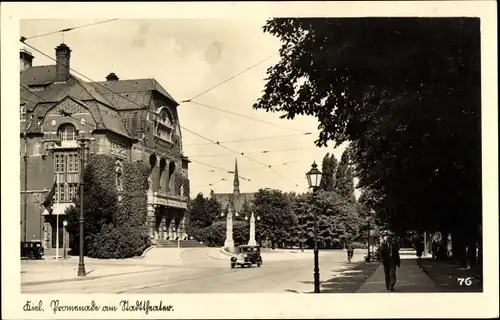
[251, 241]
[229, 243]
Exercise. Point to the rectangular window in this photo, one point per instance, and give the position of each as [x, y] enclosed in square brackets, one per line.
[61, 193]
[72, 191]
[66, 173]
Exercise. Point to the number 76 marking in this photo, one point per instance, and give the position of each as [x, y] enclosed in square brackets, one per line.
[464, 281]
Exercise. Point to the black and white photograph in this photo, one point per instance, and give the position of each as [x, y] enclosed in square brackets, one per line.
[298, 155]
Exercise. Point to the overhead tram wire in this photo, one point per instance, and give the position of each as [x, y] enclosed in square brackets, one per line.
[235, 152]
[250, 152]
[133, 102]
[250, 139]
[218, 168]
[66, 30]
[244, 116]
[230, 78]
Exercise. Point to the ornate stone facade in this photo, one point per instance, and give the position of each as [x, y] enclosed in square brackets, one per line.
[132, 120]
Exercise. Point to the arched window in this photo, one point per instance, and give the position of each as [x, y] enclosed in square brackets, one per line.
[119, 174]
[67, 132]
[166, 118]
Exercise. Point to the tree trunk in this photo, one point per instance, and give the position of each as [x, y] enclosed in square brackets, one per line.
[455, 251]
[480, 246]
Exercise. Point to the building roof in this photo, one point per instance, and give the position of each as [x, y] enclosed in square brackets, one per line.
[136, 90]
[119, 105]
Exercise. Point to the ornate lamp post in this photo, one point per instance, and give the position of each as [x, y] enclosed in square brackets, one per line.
[81, 219]
[314, 179]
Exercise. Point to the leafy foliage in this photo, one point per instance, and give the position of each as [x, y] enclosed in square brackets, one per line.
[113, 229]
[405, 92]
[215, 235]
[338, 219]
[275, 211]
[203, 211]
[328, 168]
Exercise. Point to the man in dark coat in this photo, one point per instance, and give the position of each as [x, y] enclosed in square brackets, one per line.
[389, 255]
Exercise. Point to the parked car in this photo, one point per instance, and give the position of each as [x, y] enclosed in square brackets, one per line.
[32, 250]
[247, 256]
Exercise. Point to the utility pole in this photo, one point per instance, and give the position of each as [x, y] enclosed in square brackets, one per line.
[25, 156]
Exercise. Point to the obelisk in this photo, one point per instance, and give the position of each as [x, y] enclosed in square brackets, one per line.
[229, 243]
[251, 241]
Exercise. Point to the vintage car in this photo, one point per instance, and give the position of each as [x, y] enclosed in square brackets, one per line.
[32, 250]
[247, 256]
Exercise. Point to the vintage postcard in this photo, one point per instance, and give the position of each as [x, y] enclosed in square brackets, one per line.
[249, 160]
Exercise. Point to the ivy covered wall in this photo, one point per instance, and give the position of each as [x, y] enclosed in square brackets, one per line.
[114, 221]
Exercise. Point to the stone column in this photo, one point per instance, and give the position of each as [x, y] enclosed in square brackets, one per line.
[162, 224]
[150, 221]
[229, 243]
[251, 241]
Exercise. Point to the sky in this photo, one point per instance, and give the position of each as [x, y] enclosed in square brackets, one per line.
[187, 57]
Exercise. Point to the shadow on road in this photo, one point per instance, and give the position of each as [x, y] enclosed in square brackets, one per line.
[348, 281]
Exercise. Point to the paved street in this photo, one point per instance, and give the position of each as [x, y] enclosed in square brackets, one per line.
[203, 273]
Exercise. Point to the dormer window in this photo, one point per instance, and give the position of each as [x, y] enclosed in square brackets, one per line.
[165, 118]
[67, 132]
[164, 125]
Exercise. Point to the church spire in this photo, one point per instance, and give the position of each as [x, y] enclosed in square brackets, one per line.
[236, 183]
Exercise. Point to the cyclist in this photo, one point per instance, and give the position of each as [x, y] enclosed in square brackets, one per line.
[350, 251]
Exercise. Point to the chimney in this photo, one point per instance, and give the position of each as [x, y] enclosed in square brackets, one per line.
[63, 53]
[26, 59]
[112, 77]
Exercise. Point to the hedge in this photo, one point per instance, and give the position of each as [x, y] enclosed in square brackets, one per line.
[215, 235]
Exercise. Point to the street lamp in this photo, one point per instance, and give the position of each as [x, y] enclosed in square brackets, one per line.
[65, 224]
[314, 179]
[369, 254]
[81, 219]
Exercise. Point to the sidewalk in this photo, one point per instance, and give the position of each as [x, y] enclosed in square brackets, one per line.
[446, 275]
[410, 278]
[44, 273]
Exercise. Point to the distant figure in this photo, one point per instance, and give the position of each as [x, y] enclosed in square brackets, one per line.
[419, 247]
[435, 247]
[350, 251]
[389, 254]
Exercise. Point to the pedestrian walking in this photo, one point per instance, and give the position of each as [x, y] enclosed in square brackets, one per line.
[435, 247]
[389, 255]
[350, 251]
[419, 247]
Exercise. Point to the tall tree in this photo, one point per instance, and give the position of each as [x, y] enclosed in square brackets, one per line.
[342, 183]
[277, 218]
[328, 167]
[406, 93]
[349, 185]
[203, 211]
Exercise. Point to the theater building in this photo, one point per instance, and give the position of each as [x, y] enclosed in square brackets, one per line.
[131, 120]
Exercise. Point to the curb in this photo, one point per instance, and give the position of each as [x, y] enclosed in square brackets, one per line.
[34, 283]
[143, 255]
[223, 251]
